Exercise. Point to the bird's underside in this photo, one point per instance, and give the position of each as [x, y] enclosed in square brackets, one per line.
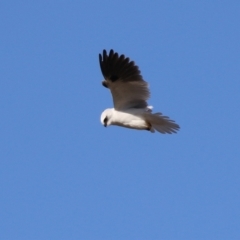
[130, 94]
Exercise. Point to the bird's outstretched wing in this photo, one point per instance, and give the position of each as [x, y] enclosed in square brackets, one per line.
[123, 78]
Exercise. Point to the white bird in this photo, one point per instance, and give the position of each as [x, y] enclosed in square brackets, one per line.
[130, 94]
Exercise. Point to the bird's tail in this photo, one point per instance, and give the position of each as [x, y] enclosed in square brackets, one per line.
[161, 123]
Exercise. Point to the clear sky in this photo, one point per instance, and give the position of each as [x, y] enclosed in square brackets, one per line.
[64, 176]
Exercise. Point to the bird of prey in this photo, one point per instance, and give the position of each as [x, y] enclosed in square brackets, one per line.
[130, 94]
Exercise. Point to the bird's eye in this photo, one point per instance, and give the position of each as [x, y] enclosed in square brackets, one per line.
[105, 120]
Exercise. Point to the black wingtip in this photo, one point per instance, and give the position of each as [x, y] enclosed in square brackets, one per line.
[114, 66]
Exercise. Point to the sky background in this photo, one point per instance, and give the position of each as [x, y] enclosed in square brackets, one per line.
[64, 176]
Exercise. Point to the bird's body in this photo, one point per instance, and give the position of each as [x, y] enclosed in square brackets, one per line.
[130, 93]
[130, 118]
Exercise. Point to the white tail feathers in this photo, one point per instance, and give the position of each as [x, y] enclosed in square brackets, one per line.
[161, 123]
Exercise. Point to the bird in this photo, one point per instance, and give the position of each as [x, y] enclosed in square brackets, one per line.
[130, 93]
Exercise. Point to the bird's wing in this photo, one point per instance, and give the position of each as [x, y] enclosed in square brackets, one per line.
[123, 78]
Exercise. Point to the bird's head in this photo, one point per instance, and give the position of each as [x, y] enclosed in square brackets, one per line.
[106, 117]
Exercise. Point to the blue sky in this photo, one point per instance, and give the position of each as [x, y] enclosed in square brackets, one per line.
[64, 176]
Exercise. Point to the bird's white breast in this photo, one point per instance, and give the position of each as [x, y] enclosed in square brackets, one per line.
[132, 118]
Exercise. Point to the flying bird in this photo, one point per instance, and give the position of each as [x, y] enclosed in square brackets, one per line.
[130, 94]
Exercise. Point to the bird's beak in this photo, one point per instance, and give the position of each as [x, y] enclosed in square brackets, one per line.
[105, 124]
